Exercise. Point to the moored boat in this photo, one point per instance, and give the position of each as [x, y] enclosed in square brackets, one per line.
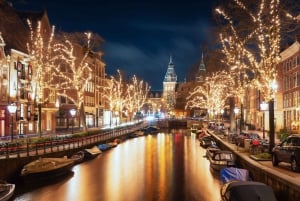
[107, 146]
[78, 157]
[220, 159]
[6, 190]
[92, 152]
[47, 167]
[151, 130]
[234, 174]
[139, 133]
[247, 191]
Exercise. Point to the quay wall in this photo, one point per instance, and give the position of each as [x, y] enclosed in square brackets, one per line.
[12, 164]
[11, 167]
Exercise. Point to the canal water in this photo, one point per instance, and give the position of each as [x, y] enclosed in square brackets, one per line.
[164, 167]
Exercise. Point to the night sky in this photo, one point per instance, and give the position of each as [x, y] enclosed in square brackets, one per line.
[139, 35]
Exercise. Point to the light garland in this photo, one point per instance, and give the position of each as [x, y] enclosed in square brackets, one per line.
[259, 58]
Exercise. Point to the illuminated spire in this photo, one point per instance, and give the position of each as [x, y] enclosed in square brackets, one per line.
[170, 74]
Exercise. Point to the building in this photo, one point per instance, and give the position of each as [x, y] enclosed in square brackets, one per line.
[40, 109]
[290, 67]
[169, 87]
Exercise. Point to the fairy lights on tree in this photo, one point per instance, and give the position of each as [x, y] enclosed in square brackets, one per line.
[75, 74]
[254, 50]
[45, 54]
[257, 46]
[212, 94]
[136, 95]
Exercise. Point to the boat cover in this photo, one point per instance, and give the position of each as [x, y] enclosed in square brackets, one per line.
[248, 191]
[233, 173]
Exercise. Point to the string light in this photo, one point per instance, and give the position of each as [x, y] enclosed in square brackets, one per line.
[257, 52]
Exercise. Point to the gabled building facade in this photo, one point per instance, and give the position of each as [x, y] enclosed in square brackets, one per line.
[38, 111]
[290, 67]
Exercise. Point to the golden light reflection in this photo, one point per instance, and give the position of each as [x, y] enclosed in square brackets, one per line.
[155, 167]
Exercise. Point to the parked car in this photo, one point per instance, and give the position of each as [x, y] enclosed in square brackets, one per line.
[211, 125]
[220, 126]
[288, 151]
[240, 139]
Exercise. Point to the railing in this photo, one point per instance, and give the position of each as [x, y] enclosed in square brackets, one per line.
[62, 144]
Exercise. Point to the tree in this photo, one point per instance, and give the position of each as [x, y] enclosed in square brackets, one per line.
[212, 94]
[136, 95]
[45, 54]
[75, 74]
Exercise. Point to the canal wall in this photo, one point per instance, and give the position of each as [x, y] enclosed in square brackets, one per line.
[285, 186]
[11, 167]
[11, 164]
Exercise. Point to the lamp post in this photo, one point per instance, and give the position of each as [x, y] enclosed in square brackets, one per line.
[73, 112]
[236, 111]
[12, 108]
[274, 87]
[263, 108]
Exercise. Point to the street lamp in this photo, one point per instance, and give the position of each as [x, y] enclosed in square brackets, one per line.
[236, 111]
[73, 112]
[12, 108]
[263, 108]
[274, 88]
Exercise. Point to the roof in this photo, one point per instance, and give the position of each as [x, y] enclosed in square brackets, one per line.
[14, 28]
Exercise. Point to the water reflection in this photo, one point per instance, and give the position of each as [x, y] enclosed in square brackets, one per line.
[166, 166]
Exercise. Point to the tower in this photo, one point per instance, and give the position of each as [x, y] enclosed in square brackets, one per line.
[169, 85]
[201, 73]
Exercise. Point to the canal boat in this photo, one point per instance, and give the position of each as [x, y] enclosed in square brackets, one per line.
[234, 174]
[246, 191]
[151, 130]
[47, 167]
[220, 159]
[139, 133]
[78, 157]
[107, 146]
[6, 190]
[207, 141]
[92, 152]
[211, 150]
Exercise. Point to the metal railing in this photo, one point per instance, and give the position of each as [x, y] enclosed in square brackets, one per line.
[26, 149]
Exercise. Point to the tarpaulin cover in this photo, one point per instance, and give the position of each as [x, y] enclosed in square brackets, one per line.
[232, 173]
[247, 191]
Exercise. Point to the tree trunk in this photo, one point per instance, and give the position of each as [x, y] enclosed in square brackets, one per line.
[82, 117]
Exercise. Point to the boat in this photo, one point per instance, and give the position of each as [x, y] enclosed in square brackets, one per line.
[194, 129]
[47, 167]
[220, 159]
[246, 191]
[234, 174]
[210, 151]
[6, 190]
[139, 133]
[207, 141]
[92, 152]
[78, 157]
[151, 130]
[112, 144]
[236, 183]
[107, 146]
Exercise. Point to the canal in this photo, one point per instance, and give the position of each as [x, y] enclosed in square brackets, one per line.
[165, 167]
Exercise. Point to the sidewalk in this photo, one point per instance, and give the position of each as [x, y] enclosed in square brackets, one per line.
[260, 133]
